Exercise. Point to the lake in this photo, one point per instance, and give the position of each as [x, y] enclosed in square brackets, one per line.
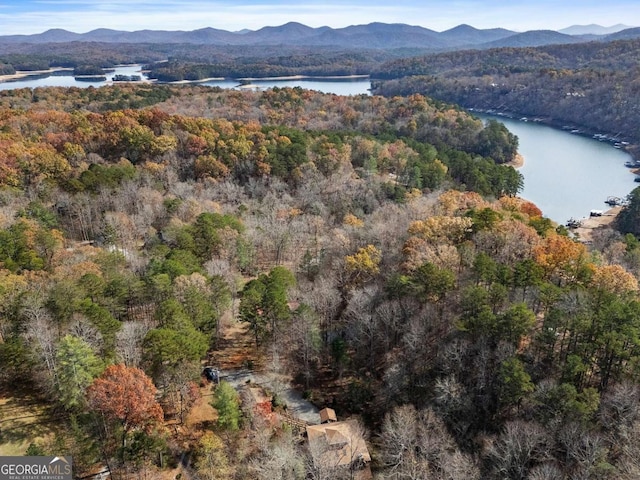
[66, 79]
[339, 86]
[568, 175]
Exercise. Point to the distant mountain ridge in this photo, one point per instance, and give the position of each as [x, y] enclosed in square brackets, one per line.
[593, 29]
[534, 38]
[627, 34]
[373, 35]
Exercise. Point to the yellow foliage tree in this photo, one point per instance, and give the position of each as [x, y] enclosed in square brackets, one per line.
[441, 229]
[12, 287]
[209, 166]
[363, 264]
[614, 279]
[454, 202]
[212, 462]
[352, 220]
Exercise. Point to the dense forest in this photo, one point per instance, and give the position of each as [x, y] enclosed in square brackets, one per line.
[375, 249]
[309, 64]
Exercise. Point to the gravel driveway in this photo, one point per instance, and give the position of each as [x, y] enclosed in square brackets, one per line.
[280, 386]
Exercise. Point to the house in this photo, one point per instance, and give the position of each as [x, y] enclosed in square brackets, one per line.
[339, 445]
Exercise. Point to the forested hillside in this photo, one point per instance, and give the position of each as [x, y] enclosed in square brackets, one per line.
[191, 62]
[591, 87]
[376, 244]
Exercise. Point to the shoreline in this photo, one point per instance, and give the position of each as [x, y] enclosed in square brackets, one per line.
[632, 149]
[301, 77]
[20, 74]
[584, 233]
[517, 162]
[266, 79]
[188, 82]
[25, 74]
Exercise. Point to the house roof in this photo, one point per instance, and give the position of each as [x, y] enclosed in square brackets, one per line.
[335, 437]
[337, 444]
[328, 415]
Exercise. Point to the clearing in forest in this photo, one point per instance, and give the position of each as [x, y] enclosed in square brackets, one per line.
[236, 348]
[23, 420]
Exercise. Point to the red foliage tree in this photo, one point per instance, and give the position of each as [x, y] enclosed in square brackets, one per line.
[125, 394]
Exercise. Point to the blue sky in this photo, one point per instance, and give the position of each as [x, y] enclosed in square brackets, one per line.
[29, 16]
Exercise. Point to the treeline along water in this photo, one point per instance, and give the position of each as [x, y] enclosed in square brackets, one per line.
[567, 175]
[339, 86]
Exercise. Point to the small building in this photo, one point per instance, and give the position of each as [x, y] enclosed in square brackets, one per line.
[328, 415]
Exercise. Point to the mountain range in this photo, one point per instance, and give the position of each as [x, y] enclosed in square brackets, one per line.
[593, 29]
[373, 35]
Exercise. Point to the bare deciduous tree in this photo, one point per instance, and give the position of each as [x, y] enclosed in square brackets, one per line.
[129, 342]
[43, 335]
[416, 445]
[620, 409]
[82, 328]
[518, 449]
[585, 451]
[546, 471]
[279, 459]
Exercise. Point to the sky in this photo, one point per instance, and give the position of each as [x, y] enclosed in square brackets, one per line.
[80, 16]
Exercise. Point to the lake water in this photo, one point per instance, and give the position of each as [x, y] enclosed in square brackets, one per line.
[344, 86]
[565, 175]
[568, 175]
[66, 79]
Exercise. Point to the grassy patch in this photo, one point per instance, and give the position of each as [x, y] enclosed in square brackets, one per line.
[23, 420]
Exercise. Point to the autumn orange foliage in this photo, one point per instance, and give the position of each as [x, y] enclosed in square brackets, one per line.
[516, 204]
[560, 256]
[125, 394]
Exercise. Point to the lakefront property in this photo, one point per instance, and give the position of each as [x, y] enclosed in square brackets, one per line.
[360, 267]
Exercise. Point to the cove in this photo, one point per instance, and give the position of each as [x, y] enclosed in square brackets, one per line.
[66, 79]
[568, 175]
